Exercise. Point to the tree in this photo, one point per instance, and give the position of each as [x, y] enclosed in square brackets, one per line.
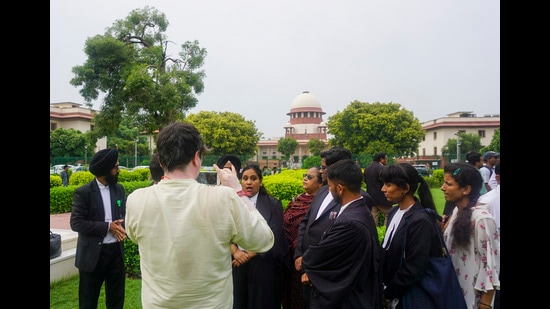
[226, 132]
[367, 128]
[468, 142]
[287, 146]
[67, 143]
[494, 145]
[130, 64]
[315, 146]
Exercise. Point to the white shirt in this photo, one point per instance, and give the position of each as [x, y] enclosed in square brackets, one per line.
[327, 200]
[492, 198]
[394, 223]
[106, 198]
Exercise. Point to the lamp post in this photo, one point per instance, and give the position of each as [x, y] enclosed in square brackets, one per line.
[457, 147]
[135, 162]
[85, 154]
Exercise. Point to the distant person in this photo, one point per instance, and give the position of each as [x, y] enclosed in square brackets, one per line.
[227, 160]
[317, 219]
[293, 295]
[184, 229]
[490, 158]
[274, 170]
[471, 236]
[476, 160]
[343, 268]
[374, 187]
[258, 277]
[266, 171]
[410, 191]
[155, 169]
[65, 175]
[98, 211]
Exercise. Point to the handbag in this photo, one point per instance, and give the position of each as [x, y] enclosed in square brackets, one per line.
[55, 245]
[439, 287]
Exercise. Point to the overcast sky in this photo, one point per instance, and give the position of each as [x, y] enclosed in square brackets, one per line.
[433, 57]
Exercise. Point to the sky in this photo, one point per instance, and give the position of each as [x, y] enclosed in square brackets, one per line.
[432, 57]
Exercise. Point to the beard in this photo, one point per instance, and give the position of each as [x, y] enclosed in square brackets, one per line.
[337, 198]
[111, 179]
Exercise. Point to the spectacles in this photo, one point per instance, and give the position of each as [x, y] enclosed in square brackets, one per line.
[309, 177]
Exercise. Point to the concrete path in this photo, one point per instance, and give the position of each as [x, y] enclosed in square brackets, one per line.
[60, 221]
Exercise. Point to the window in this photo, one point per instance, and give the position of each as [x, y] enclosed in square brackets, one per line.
[53, 125]
[481, 133]
[435, 151]
[435, 136]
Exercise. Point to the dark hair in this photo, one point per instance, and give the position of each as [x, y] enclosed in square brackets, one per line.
[177, 144]
[497, 168]
[335, 154]
[258, 172]
[235, 161]
[465, 175]
[379, 156]
[347, 173]
[473, 157]
[405, 176]
[155, 168]
[319, 177]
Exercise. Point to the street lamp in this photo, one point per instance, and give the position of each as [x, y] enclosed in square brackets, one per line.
[457, 147]
[85, 154]
[135, 162]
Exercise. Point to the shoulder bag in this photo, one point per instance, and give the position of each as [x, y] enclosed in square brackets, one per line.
[439, 287]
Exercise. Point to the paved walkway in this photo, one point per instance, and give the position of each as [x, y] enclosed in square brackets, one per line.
[60, 221]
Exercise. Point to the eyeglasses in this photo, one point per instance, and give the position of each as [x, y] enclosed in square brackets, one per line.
[309, 177]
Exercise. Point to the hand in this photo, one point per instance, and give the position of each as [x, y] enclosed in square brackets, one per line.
[305, 279]
[117, 230]
[240, 257]
[298, 263]
[228, 177]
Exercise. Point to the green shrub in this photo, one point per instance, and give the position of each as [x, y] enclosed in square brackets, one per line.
[55, 181]
[80, 178]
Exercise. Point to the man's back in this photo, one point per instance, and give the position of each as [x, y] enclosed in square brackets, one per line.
[184, 233]
[374, 184]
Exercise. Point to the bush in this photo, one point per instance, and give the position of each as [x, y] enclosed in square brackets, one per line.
[55, 181]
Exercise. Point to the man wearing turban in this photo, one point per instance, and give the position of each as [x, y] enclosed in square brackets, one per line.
[97, 215]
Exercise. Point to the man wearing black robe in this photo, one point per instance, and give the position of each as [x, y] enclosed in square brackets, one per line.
[343, 268]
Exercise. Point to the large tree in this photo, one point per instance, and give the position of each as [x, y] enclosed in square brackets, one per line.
[367, 128]
[315, 146]
[226, 132]
[130, 65]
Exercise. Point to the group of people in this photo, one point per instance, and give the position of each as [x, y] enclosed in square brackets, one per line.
[233, 246]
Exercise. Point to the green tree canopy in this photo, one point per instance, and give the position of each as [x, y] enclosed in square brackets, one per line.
[367, 128]
[131, 66]
[287, 146]
[68, 142]
[315, 146]
[226, 132]
[494, 145]
[468, 142]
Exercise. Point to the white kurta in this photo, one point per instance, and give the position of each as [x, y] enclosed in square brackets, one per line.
[184, 232]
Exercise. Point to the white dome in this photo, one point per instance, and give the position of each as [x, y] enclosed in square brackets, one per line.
[305, 99]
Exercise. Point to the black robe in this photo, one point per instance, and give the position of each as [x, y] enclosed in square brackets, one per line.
[344, 267]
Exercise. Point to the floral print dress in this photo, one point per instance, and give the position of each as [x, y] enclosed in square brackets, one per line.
[478, 265]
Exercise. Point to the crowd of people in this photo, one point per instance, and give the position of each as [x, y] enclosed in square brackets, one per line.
[231, 245]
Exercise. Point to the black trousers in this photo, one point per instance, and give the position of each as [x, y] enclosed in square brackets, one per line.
[109, 269]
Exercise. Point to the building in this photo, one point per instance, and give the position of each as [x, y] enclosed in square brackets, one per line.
[440, 130]
[306, 122]
[69, 115]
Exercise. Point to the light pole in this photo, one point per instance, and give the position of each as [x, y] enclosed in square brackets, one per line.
[85, 154]
[135, 162]
[457, 147]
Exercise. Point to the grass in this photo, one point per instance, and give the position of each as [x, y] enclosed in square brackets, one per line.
[64, 293]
